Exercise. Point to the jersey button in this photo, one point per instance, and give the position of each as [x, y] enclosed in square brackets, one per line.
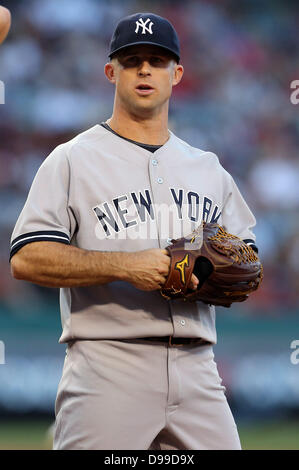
[182, 322]
[155, 162]
[160, 180]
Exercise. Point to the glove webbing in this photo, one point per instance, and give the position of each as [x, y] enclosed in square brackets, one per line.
[246, 251]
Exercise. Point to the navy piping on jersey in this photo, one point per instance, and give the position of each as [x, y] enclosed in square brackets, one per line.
[251, 243]
[151, 148]
[55, 236]
[41, 235]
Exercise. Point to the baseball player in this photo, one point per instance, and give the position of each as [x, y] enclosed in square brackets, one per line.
[5, 22]
[139, 371]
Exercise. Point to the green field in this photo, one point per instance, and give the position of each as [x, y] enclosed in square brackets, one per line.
[25, 435]
[36, 435]
[277, 435]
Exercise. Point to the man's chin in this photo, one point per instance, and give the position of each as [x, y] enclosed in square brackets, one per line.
[147, 107]
[144, 110]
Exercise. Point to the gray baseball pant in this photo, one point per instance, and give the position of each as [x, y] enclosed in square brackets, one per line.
[139, 395]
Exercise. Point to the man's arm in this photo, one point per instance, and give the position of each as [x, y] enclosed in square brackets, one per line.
[53, 264]
[5, 22]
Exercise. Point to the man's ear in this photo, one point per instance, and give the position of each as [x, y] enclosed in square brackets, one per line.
[177, 74]
[109, 70]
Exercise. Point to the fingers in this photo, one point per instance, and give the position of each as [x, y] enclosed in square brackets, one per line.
[194, 282]
[165, 252]
[165, 264]
[162, 282]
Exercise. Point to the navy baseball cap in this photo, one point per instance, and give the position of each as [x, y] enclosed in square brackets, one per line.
[145, 28]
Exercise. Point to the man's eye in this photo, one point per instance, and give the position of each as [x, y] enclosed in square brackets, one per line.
[135, 61]
[159, 61]
[131, 61]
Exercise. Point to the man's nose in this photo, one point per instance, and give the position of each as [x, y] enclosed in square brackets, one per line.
[144, 68]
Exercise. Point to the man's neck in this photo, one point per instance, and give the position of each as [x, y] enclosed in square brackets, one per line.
[152, 131]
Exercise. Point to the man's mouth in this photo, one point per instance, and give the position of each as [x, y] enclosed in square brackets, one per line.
[144, 89]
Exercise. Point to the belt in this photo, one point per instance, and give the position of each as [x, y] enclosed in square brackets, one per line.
[171, 341]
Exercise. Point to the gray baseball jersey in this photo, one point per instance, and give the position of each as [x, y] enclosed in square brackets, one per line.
[102, 192]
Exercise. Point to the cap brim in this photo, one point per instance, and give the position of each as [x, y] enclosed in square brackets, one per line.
[144, 42]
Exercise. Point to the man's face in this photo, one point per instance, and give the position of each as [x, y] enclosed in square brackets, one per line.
[144, 76]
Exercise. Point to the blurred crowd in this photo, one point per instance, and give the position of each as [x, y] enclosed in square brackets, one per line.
[240, 59]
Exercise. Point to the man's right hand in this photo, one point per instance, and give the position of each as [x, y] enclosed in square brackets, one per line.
[148, 269]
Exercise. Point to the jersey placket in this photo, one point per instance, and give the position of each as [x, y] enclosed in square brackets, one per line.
[177, 312]
[156, 180]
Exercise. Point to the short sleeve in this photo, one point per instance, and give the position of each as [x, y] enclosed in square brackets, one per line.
[46, 215]
[237, 218]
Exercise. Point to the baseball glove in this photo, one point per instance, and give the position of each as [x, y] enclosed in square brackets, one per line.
[227, 268]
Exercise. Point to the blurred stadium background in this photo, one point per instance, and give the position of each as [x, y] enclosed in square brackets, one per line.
[240, 57]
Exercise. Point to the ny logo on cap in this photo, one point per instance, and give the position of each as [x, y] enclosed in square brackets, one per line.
[143, 24]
